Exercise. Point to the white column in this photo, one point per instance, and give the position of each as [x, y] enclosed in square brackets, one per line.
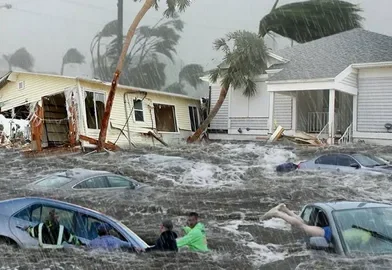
[294, 113]
[355, 113]
[271, 113]
[331, 117]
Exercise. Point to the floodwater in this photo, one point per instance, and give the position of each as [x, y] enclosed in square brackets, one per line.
[229, 184]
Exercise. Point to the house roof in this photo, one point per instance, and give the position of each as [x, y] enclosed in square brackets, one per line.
[89, 80]
[329, 56]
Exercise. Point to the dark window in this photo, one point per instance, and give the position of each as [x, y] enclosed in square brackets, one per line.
[95, 107]
[119, 182]
[306, 214]
[138, 109]
[343, 160]
[194, 118]
[326, 160]
[86, 227]
[95, 182]
[54, 181]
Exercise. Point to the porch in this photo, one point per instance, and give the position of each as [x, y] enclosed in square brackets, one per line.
[328, 114]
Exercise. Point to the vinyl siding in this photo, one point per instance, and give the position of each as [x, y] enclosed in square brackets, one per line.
[221, 120]
[36, 86]
[351, 80]
[374, 103]
[118, 117]
[283, 111]
[253, 123]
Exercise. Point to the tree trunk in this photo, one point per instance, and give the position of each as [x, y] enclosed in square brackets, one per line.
[62, 68]
[109, 103]
[207, 121]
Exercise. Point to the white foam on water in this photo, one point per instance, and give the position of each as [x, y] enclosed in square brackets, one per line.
[264, 254]
[276, 223]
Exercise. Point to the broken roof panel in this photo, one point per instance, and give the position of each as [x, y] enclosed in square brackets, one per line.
[329, 56]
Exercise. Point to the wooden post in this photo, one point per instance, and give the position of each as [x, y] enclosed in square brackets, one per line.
[37, 124]
[72, 121]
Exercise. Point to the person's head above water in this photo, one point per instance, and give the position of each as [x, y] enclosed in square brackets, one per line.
[166, 225]
[52, 217]
[103, 229]
[192, 219]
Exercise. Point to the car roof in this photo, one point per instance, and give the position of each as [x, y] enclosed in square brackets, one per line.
[351, 205]
[81, 174]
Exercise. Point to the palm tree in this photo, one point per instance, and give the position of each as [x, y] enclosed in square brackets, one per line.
[300, 21]
[144, 66]
[310, 20]
[191, 74]
[20, 58]
[173, 5]
[72, 56]
[245, 60]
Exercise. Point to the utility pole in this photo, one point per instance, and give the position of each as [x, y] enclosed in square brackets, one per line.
[120, 13]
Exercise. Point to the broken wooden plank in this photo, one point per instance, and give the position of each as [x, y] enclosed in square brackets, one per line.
[277, 134]
[150, 133]
[108, 145]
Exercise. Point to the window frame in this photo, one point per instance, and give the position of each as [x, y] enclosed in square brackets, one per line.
[138, 110]
[135, 184]
[194, 108]
[346, 156]
[95, 107]
[174, 114]
[326, 155]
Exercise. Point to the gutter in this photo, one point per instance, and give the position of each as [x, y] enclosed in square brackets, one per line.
[372, 65]
[302, 81]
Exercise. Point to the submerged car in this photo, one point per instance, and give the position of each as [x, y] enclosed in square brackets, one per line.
[17, 213]
[344, 162]
[82, 179]
[372, 217]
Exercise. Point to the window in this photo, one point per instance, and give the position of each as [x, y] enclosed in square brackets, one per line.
[119, 182]
[86, 227]
[344, 160]
[138, 110]
[326, 160]
[165, 118]
[95, 182]
[306, 214]
[54, 181]
[95, 107]
[39, 213]
[366, 161]
[194, 117]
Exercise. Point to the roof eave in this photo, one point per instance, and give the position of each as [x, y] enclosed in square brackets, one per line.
[372, 65]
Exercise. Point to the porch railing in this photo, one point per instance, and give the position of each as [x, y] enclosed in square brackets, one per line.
[347, 135]
[318, 120]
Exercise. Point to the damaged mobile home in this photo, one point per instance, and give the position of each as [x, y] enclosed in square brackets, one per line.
[67, 111]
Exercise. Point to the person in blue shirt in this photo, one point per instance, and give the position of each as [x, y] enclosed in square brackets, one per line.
[107, 241]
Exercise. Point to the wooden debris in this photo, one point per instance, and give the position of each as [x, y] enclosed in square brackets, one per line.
[152, 134]
[305, 138]
[277, 134]
[108, 145]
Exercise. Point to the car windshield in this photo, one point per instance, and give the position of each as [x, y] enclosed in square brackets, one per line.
[54, 181]
[369, 160]
[366, 230]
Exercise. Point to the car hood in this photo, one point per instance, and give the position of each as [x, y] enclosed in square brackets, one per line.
[386, 169]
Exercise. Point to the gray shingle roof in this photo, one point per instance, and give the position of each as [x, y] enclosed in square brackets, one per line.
[327, 57]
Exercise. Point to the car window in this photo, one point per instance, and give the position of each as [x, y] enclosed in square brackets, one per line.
[365, 160]
[54, 181]
[119, 182]
[95, 182]
[344, 160]
[306, 214]
[87, 226]
[326, 160]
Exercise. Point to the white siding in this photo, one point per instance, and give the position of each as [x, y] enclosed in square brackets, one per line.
[252, 123]
[351, 80]
[374, 103]
[283, 111]
[221, 120]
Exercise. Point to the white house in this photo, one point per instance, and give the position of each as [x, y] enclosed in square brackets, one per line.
[340, 85]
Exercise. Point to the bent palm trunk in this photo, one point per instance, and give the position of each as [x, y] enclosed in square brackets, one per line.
[207, 121]
[109, 103]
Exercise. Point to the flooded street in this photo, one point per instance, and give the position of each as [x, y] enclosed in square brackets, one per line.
[230, 185]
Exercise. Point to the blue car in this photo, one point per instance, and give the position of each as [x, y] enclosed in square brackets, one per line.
[19, 212]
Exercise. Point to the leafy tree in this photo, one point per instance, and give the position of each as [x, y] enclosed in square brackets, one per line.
[191, 74]
[72, 56]
[20, 58]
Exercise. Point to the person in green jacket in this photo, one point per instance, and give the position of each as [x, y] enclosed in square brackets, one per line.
[195, 235]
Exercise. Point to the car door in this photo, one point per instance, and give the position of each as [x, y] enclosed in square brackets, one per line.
[35, 214]
[326, 162]
[345, 164]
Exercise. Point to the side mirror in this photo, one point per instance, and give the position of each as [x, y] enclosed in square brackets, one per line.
[318, 243]
[355, 165]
